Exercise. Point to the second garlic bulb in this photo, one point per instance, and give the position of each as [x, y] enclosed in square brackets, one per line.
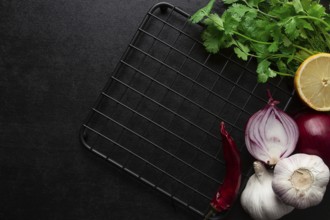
[258, 198]
[301, 180]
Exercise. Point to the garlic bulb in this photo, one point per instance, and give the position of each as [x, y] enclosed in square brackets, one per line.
[258, 198]
[300, 180]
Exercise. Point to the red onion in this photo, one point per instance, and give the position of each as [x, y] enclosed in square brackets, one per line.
[314, 129]
[271, 134]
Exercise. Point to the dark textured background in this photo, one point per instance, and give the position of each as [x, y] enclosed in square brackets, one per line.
[55, 58]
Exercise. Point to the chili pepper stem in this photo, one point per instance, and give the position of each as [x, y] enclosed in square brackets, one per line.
[209, 214]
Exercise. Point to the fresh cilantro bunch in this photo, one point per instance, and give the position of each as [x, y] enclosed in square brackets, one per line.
[280, 34]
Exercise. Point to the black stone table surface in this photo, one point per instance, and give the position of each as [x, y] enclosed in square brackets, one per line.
[56, 56]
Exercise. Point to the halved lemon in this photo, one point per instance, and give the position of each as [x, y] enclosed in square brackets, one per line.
[312, 81]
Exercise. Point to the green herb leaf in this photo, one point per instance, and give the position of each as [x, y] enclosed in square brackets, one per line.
[286, 41]
[291, 28]
[283, 11]
[281, 66]
[297, 6]
[237, 11]
[262, 77]
[264, 71]
[214, 39]
[271, 73]
[273, 47]
[254, 3]
[304, 24]
[263, 66]
[210, 37]
[242, 51]
[201, 13]
[217, 21]
[316, 10]
[230, 23]
[306, 4]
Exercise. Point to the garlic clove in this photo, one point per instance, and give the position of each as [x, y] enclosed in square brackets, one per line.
[258, 198]
[300, 180]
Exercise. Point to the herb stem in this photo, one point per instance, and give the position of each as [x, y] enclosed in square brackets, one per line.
[265, 14]
[304, 49]
[251, 39]
[277, 56]
[314, 18]
[260, 11]
[326, 37]
[283, 74]
[209, 214]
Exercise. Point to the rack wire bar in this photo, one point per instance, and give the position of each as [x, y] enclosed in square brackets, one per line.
[157, 117]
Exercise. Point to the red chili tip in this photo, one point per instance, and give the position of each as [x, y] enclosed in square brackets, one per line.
[223, 129]
[222, 125]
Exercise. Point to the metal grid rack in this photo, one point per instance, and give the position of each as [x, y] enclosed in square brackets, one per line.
[157, 117]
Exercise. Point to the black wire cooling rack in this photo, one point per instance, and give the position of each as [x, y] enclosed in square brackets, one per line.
[158, 116]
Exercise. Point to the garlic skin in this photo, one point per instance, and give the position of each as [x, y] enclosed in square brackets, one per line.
[301, 180]
[258, 198]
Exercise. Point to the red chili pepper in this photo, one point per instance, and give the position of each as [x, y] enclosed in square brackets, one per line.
[228, 190]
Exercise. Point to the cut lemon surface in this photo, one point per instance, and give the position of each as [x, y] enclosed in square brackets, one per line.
[312, 81]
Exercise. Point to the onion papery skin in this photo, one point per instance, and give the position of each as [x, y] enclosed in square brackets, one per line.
[314, 130]
[271, 134]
